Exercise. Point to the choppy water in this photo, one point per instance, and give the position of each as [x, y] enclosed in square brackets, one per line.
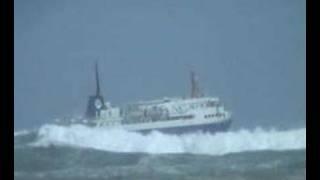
[78, 152]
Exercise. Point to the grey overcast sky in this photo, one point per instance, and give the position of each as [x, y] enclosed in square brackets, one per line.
[250, 53]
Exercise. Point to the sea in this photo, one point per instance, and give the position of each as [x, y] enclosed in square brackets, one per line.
[54, 152]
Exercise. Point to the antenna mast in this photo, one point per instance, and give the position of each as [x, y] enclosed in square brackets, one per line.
[97, 80]
[195, 90]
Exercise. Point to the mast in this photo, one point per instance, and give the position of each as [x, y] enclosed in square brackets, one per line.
[97, 80]
[95, 102]
[195, 90]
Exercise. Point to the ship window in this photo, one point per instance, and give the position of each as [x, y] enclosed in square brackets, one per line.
[209, 116]
[211, 104]
[181, 117]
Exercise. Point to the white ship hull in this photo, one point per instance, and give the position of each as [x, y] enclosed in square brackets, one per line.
[180, 127]
[211, 125]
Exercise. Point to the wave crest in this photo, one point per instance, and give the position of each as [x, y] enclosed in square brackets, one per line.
[21, 133]
[119, 140]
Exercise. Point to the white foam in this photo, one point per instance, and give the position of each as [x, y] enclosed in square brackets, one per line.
[199, 143]
[21, 133]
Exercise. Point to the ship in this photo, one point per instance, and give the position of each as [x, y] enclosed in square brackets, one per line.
[177, 115]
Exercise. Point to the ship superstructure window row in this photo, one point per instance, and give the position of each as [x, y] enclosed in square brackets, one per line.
[181, 117]
[204, 104]
[214, 115]
[212, 104]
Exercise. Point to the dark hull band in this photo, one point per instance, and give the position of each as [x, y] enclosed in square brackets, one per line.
[207, 128]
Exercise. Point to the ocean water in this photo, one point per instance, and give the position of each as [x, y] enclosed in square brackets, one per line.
[78, 152]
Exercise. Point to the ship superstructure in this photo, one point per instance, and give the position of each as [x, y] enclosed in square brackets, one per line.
[169, 115]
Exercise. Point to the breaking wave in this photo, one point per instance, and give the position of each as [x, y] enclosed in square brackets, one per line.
[119, 140]
[21, 133]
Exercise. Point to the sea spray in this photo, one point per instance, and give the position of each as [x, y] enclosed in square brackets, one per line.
[119, 140]
[21, 133]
